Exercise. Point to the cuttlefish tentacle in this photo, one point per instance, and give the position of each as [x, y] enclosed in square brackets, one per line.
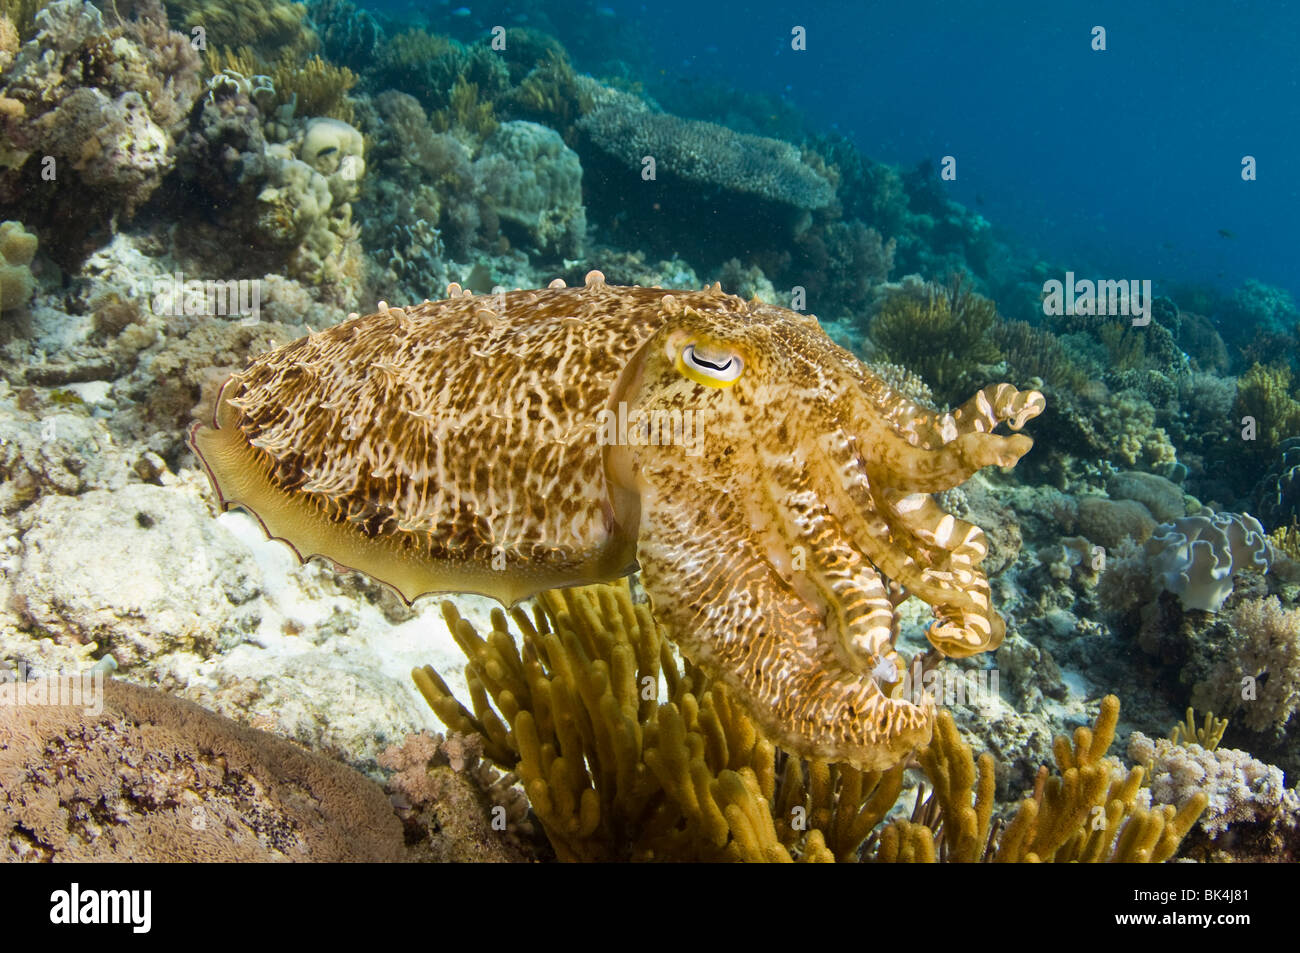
[835, 575]
[775, 651]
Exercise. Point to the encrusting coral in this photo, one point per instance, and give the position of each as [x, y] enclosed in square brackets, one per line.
[370, 442]
[627, 754]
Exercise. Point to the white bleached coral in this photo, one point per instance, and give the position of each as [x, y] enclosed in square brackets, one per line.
[1241, 790]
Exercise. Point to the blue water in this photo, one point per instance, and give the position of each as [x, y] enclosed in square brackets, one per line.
[1127, 160]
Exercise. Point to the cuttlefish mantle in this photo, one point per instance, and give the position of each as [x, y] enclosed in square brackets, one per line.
[774, 493]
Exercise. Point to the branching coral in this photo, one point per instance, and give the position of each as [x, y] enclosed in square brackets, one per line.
[942, 333]
[624, 753]
[465, 113]
[1256, 676]
[550, 93]
[1251, 815]
[349, 36]
[428, 67]
[1035, 353]
[1265, 394]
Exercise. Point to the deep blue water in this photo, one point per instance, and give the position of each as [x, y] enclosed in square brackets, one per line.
[1127, 160]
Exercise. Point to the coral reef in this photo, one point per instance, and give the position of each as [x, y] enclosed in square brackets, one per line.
[627, 755]
[101, 100]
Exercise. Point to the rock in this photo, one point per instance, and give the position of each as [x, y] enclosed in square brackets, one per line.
[142, 571]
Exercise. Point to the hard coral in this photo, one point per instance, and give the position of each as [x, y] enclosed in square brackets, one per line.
[1251, 815]
[539, 187]
[102, 99]
[709, 155]
[625, 753]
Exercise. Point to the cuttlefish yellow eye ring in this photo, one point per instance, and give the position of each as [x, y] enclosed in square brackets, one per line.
[712, 367]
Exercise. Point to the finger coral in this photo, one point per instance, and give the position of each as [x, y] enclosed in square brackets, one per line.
[626, 754]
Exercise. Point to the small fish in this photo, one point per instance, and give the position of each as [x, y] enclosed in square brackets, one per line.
[1224, 233]
[461, 12]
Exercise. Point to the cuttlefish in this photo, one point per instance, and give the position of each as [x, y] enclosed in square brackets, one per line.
[774, 493]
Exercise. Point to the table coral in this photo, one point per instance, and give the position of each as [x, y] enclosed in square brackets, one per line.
[785, 588]
[709, 155]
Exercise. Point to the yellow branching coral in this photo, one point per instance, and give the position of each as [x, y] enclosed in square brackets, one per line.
[465, 112]
[314, 87]
[625, 754]
[1208, 734]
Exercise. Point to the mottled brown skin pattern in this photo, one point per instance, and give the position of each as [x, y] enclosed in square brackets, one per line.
[455, 446]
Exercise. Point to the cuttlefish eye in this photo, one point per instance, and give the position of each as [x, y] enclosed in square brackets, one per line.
[710, 366]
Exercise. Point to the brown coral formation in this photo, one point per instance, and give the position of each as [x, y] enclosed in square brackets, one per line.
[153, 778]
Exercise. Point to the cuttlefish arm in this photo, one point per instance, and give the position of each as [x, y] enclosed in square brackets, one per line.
[815, 670]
